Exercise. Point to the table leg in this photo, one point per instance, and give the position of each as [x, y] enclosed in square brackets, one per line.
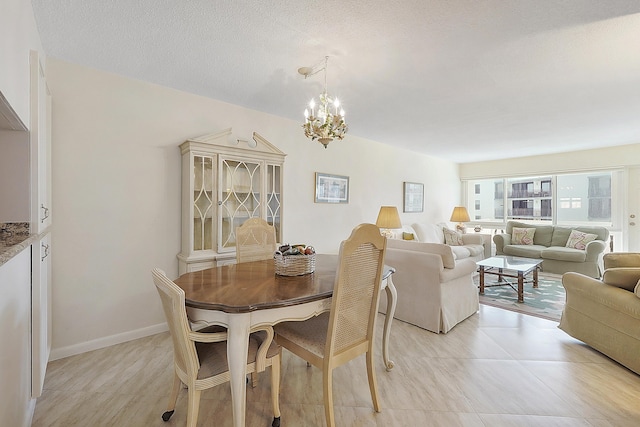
[481, 280]
[535, 277]
[237, 347]
[520, 286]
[392, 295]
[500, 278]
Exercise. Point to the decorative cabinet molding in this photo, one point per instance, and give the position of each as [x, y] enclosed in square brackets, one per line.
[225, 181]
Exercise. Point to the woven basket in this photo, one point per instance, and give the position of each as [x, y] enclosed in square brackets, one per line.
[294, 265]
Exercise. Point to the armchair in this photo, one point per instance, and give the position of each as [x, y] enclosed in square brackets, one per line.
[605, 314]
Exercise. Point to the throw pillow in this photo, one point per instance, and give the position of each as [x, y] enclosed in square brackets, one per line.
[452, 237]
[637, 290]
[522, 236]
[579, 240]
[407, 236]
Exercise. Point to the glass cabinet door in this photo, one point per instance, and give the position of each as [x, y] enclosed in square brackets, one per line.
[274, 201]
[240, 186]
[203, 203]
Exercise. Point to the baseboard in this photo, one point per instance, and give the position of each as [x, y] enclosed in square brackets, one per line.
[72, 350]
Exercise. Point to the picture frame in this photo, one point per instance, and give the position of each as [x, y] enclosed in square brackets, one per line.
[331, 188]
[413, 197]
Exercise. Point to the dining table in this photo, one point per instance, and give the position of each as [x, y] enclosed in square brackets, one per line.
[247, 296]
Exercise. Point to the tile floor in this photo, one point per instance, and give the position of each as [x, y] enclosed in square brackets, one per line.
[497, 368]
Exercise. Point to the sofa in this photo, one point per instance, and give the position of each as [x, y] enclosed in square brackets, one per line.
[435, 286]
[562, 249]
[462, 245]
[605, 314]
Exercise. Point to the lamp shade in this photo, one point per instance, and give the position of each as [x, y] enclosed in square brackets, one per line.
[460, 214]
[388, 217]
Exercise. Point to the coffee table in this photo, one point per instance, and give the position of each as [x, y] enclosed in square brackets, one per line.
[510, 266]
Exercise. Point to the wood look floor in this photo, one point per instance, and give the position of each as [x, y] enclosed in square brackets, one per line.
[497, 368]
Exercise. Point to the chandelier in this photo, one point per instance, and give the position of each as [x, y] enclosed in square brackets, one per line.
[325, 121]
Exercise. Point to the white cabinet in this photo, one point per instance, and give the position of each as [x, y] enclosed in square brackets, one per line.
[15, 387]
[40, 311]
[40, 142]
[40, 164]
[226, 180]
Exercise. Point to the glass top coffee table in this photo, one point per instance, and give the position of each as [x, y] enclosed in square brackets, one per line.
[510, 266]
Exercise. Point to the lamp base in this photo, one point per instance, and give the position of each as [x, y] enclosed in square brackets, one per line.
[461, 228]
[386, 233]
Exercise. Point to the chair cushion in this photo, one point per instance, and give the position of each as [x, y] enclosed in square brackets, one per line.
[213, 356]
[475, 249]
[429, 233]
[522, 236]
[310, 334]
[622, 277]
[527, 251]
[542, 236]
[460, 252]
[452, 237]
[621, 259]
[578, 239]
[564, 254]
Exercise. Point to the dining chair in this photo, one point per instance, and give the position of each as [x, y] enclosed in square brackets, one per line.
[255, 240]
[348, 329]
[200, 358]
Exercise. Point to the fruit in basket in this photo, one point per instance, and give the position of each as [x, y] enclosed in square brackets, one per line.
[295, 250]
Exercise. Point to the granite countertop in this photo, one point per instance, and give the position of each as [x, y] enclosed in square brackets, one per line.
[14, 238]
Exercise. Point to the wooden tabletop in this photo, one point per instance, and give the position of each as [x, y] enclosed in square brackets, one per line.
[250, 286]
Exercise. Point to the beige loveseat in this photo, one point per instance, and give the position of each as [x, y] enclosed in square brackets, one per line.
[435, 286]
[605, 314]
[550, 244]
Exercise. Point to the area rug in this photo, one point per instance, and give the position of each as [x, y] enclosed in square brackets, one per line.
[546, 301]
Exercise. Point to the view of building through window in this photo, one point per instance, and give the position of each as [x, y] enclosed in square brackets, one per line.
[559, 199]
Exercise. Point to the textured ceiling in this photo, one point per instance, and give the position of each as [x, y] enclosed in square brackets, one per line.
[465, 80]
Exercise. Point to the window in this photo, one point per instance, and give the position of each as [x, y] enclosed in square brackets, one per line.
[530, 198]
[570, 199]
[584, 198]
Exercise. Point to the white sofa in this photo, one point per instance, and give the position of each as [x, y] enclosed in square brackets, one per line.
[434, 280]
[434, 233]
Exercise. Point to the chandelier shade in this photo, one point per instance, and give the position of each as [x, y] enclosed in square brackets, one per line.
[325, 121]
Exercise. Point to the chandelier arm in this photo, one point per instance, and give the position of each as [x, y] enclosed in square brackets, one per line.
[325, 126]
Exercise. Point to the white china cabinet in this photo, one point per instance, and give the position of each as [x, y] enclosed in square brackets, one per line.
[225, 181]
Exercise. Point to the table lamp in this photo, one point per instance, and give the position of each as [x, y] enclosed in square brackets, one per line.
[388, 218]
[460, 215]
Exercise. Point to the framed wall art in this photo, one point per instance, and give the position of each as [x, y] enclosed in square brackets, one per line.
[331, 188]
[413, 197]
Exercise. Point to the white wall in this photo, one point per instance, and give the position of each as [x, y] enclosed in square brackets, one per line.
[575, 161]
[116, 194]
[18, 35]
